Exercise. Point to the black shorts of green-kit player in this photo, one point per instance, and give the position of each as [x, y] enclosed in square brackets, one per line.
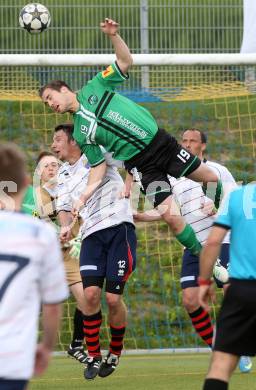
[161, 157]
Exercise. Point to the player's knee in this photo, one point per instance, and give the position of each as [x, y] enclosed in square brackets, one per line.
[223, 364]
[113, 300]
[92, 295]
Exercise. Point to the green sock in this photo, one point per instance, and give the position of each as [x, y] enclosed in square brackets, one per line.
[188, 239]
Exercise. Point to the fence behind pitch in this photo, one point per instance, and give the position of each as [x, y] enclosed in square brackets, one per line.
[153, 26]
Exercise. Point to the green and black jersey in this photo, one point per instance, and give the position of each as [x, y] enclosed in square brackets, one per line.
[109, 119]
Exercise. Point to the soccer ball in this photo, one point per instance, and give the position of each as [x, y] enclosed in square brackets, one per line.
[34, 18]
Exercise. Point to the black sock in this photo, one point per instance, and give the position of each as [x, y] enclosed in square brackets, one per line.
[78, 332]
[215, 384]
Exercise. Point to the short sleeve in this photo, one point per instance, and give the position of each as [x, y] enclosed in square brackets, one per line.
[112, 76]
[93, 153]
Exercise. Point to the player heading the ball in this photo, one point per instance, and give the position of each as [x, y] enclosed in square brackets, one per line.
[104, 117]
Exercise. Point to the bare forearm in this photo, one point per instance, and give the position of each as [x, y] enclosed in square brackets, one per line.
[51, 321]
[147, 216]
[123, 54]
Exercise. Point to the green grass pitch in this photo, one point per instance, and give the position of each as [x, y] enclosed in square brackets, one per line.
[147, 372]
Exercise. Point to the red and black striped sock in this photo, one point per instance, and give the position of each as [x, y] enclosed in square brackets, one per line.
[92, 325]
[117, 336]
[201, 321]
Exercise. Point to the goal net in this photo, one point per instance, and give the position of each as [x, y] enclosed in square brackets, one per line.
[218, 98]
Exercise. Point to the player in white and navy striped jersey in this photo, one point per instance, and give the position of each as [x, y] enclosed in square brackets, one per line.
[187, 195]
[31, 274]
[105, 208]
[190, 198]
[108, 251]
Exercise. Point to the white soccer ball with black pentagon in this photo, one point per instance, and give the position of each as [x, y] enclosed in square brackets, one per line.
[34, 18]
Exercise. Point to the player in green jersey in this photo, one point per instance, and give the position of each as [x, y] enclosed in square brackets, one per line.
[103, 117]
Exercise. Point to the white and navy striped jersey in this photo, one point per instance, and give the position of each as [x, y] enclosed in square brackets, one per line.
[189, 196]
[31, 273]
[225, 176]
[105, 208]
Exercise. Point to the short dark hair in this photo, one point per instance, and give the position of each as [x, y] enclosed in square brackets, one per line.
[43, 154]
[12, 166]
[202, 134]
[56, 85]
[68, 129]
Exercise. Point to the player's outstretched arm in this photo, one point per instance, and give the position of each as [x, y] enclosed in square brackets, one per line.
[147, 216]
[123, 55]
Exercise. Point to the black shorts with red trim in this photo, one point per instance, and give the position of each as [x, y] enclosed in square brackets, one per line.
[161, 157]
[109, 254]
[236, 324]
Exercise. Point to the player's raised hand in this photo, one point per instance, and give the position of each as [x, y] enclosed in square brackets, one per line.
[109, 27]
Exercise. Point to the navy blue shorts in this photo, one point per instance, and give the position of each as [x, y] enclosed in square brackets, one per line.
[109, 254]
[190, 267]
[11, 384]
